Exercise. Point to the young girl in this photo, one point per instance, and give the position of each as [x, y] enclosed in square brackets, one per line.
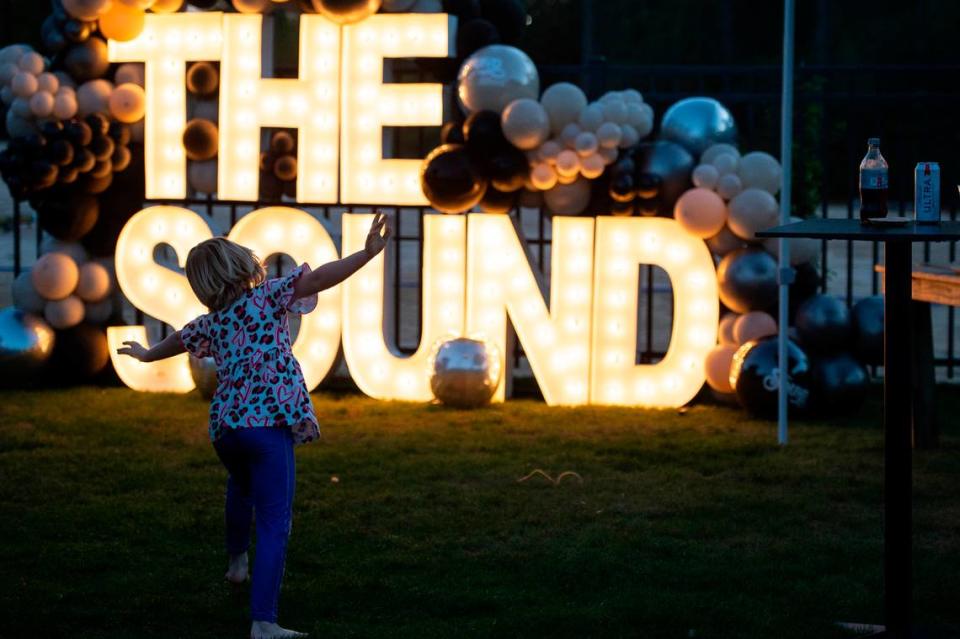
[261, 408]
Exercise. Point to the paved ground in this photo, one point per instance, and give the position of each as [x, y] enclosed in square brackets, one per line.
[858, 257]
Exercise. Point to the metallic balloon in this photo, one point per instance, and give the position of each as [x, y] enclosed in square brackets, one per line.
[204, 374]
[494, 76]
[26, 342]
[464, 372]
[867, 316]
[755, 376]
[748, 280]
[663, 173]
[823, 324]
[840, 384]
[697, 124]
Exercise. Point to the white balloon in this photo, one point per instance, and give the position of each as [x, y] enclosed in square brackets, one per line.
[753, 325]
[569, 134]
[21, 108]
[525, 123]
[55, 275]
[630, 136]
[717, 367]
[729, 186]
[564, 103]
[725, 163]
[24, 84]
[494, 76]
[543, 176]
[48, 82]
[586, 143]
[592, 166]
[751, 211]
[712, 151]
[701, 212]
[65, 79]
[705, 176]
[549, 151]
[130, 72]
[94, 97]
[631, 96]
[25, 296]
[610, 96]
[31, 63]
[568, 164]
[761, 171]
[64, 313]
[41, 104]
[591, 117]
[65, 104]
[94, 282]
[7, 71]
[609, 135]
[725, 330]
[12, 52]
[615, 111]
[568, 199]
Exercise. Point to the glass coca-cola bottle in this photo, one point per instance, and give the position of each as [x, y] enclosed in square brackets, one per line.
[873, 183]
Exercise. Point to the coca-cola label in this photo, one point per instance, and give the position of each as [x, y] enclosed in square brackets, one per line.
[873, 179]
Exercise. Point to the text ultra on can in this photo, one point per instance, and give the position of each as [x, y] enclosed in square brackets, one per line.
[926, 192]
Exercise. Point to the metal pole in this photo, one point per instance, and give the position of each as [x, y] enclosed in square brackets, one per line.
[785, 272]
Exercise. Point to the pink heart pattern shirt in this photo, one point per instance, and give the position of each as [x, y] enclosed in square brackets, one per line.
[259, 381]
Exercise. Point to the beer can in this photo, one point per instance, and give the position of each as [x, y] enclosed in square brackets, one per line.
[926, 192]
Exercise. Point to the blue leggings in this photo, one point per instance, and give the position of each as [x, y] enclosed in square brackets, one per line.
[262, 477]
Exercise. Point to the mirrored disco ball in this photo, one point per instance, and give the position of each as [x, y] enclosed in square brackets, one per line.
[204, 374]
[464, 372]
[26, 342]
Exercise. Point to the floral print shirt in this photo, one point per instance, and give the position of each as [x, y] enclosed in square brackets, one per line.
[259, 381]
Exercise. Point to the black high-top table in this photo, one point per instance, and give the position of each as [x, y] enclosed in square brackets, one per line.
[897, 362]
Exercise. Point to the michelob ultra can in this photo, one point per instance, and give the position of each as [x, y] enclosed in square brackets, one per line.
[926, 192]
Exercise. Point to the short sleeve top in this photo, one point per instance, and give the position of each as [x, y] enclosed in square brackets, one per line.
[259, 381]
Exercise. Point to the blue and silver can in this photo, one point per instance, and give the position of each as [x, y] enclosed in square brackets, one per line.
[926, 192]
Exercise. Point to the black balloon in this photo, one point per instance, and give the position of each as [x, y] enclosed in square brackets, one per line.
[346, 11]
[101, 169]
[747, 278]
[79, 353]
[119, 202]
[86, 60]
[451, 180]
[663, 174]
[203, 4]
[484, 136]
[508, 16]
[52, 36]
[867, 318]
[78, 133]
[271, 188]
[463, 9]
[200, 138]
[806, 283]
[99, 124]
[823, 324]
[452, 133]
[76, 31]
[840, 384]
[66, 214]
[83, 160]
[508, 170]
[96, 184]
[120, 159]
[120, 133]
[202, 79]
[475, 34]
[60, 152]
[282, 142]
[43, 174]
[494, 201]
[285, 168]
[102, 147]
[755, 375]
[67, 175]
[622, 185]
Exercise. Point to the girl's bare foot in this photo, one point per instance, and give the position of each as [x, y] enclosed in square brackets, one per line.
[267, 630]
[238, 571]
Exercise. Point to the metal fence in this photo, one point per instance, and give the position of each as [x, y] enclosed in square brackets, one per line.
[836, 112]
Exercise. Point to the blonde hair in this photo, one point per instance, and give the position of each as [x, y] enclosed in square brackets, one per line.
[220, 271]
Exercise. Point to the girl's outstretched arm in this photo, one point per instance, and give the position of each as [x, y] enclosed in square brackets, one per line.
[170, 346]
[332, 273]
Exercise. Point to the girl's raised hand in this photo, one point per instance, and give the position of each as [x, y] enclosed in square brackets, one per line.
[376, 241]
[133, 349]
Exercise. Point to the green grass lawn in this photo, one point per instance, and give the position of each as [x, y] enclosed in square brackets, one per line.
[685, 525]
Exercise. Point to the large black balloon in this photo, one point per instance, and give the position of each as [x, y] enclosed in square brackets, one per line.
[663, 174]
[494, 201]
[200, 139]
[475, 34]
[508, 170]
[823, 324]
[806, 283]
[622, 186]
[86, 60]
[451, 180]
[484, 136]
[452, 133]
[839, 383]
[755, 376]
[79, 353]
[508, 16]
[66, 214]
[747, 278]
[51, 36]
[867, 319]
[77, 31]
[463, 9]
[346, 11]
[202, 79]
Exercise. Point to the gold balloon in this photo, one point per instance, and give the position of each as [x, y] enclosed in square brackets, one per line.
[166, 6]
[121, 22]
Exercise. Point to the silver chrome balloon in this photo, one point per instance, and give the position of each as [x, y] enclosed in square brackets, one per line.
[464, 372]
[204, 374]
[698, 123]
[26, 342]
[494, 76]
